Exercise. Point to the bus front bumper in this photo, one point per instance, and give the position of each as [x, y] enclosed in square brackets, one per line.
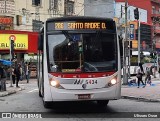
[111, 93]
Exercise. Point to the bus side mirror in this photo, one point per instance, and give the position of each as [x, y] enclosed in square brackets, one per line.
[40, 41]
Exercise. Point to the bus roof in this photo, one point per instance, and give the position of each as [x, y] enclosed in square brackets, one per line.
[74, 18]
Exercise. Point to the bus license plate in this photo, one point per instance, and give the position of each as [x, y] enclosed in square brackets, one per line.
[84, 96]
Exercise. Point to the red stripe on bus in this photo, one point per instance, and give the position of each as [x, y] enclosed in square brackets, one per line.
[83, 75]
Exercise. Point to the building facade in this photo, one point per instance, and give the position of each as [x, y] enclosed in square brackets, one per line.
[153, 17]
[29, 15]
[99, 8]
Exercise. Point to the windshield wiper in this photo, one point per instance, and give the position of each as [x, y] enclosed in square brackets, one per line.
[68, 36]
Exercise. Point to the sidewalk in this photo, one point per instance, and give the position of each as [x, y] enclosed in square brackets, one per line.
[149, 93]
[14, 89]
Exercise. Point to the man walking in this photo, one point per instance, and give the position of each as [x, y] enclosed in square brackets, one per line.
[27, 72]
[18, 74]
[2, 78]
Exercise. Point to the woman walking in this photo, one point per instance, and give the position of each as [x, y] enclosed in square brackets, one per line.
[139, 75]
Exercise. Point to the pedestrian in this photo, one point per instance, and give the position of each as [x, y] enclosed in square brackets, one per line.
[140, 74]
[132, 82]
[13, 75]
[159, 72]
[149, 80]
[21, 72]
[27, 71]
[18, 74]
[148, 75]
[3, 76]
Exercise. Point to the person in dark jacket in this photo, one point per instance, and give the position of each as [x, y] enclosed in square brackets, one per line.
[2, 78]
[17, 74]
[140, 73]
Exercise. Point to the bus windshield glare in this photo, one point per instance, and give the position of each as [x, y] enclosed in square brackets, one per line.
[72, 52]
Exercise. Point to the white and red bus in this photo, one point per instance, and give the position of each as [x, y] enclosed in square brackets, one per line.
[79, 60]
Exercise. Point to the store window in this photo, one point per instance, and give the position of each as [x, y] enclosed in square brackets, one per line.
[153, 10]
[53, 4]
[36, 2]
[70, 8]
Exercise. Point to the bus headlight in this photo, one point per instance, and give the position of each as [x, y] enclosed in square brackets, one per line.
[54, 83]
[113, 81]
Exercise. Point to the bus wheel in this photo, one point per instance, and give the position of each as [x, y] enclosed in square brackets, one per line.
[102, 103]
[47, 104]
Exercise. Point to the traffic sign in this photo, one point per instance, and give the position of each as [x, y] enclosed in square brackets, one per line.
[132, 36]
[12, 37]
[132, 26]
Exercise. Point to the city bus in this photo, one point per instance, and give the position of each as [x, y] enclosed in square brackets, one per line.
[79, 60]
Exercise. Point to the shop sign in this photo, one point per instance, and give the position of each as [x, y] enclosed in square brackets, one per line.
[6, 20]
[20, 41]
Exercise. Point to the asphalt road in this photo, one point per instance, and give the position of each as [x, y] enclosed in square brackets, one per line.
[29, 101]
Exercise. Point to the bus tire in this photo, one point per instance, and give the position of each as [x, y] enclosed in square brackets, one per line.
[47, 105]
[102, 103]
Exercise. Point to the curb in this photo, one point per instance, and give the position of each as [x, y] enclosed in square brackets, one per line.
[9, 92]
[140, 99]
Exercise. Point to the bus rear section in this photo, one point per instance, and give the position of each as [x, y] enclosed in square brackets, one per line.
[80, 63]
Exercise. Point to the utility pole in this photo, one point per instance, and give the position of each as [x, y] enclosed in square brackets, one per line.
[11, 41]
[155, 21]
[129, 58]
[139, 42]
[136, 16]
[125, 47]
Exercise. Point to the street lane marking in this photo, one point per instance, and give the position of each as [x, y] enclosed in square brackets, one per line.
[34, 90]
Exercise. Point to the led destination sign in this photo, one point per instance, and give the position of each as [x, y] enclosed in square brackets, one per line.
[72, 25]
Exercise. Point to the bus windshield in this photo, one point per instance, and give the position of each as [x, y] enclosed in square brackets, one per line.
[72, 52]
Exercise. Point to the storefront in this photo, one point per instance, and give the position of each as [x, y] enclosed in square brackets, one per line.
[25, 47]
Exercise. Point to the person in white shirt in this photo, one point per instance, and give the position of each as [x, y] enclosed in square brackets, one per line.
[139, 75]
[27, 71]
[148, 75]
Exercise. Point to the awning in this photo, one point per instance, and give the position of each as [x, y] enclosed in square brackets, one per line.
[5, 62]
